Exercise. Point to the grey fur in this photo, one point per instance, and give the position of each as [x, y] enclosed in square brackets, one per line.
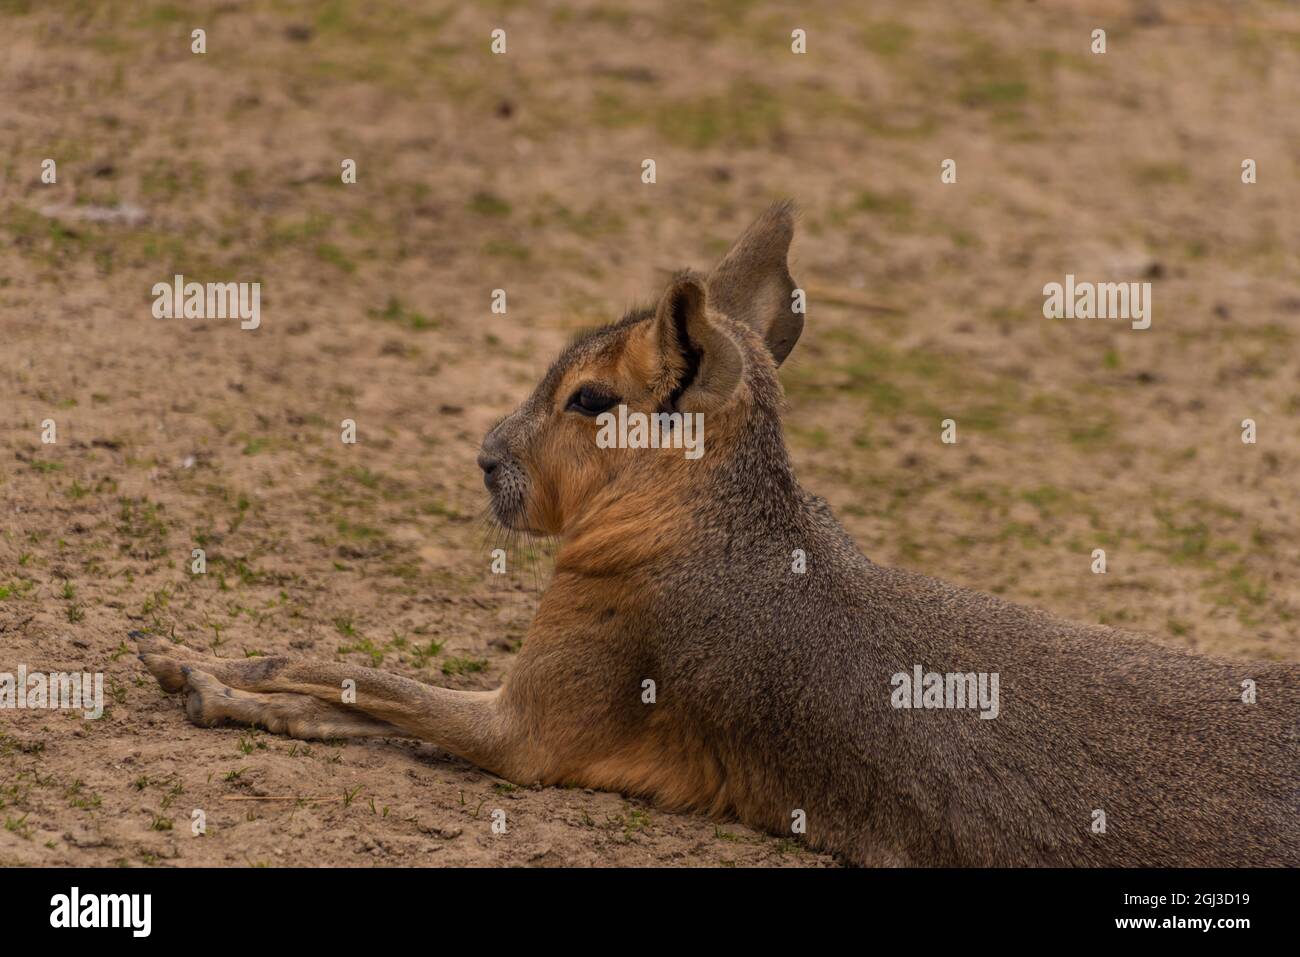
[788, 676]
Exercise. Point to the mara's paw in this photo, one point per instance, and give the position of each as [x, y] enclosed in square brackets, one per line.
[207, 700]
[165, 659]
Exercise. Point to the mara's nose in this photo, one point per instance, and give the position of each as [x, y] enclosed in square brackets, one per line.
[491, 467]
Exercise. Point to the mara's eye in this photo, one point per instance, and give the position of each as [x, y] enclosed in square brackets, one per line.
[590, 400]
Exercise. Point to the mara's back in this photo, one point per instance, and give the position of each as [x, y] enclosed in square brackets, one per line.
[1105, 747]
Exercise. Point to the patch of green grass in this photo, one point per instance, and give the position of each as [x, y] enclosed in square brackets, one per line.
[1172, 172]
[746, 115]
[157, 601]
[489, 204]
[507, 249]
[898, 205]
[990, 79]
[463, 666]
[395, 312]
[1184, 542]
[887, 38]
[358, 531]
[163, 14]
[903, 382]
[281, 234]
[141, 522]
[1239, 588]
[82, 801]
[594, 222]
[16, 589]
[365, 646]
[423, 654]
[164, 180]
[329, 253]
[637, 819]
[817, 437]
[994, 93]
[1095, 431]
[363, 477]
[48, 237]
[1048, 499]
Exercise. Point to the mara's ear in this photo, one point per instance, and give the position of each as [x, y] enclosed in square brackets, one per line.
[697, 366]
[752, 284]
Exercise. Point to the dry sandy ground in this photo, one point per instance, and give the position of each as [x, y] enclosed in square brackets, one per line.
[522, 172]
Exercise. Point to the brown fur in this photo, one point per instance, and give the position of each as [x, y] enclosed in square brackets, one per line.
[772, 687]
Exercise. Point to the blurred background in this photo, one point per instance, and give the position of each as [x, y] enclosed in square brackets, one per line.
[522, 171]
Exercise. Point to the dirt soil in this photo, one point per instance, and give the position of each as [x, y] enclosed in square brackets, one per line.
[522, 172]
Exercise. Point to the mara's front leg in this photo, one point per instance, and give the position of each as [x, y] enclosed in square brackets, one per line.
[553, 722]
[209, 703]
[327, 699]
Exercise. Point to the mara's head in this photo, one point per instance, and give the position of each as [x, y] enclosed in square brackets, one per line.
[640, 411]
